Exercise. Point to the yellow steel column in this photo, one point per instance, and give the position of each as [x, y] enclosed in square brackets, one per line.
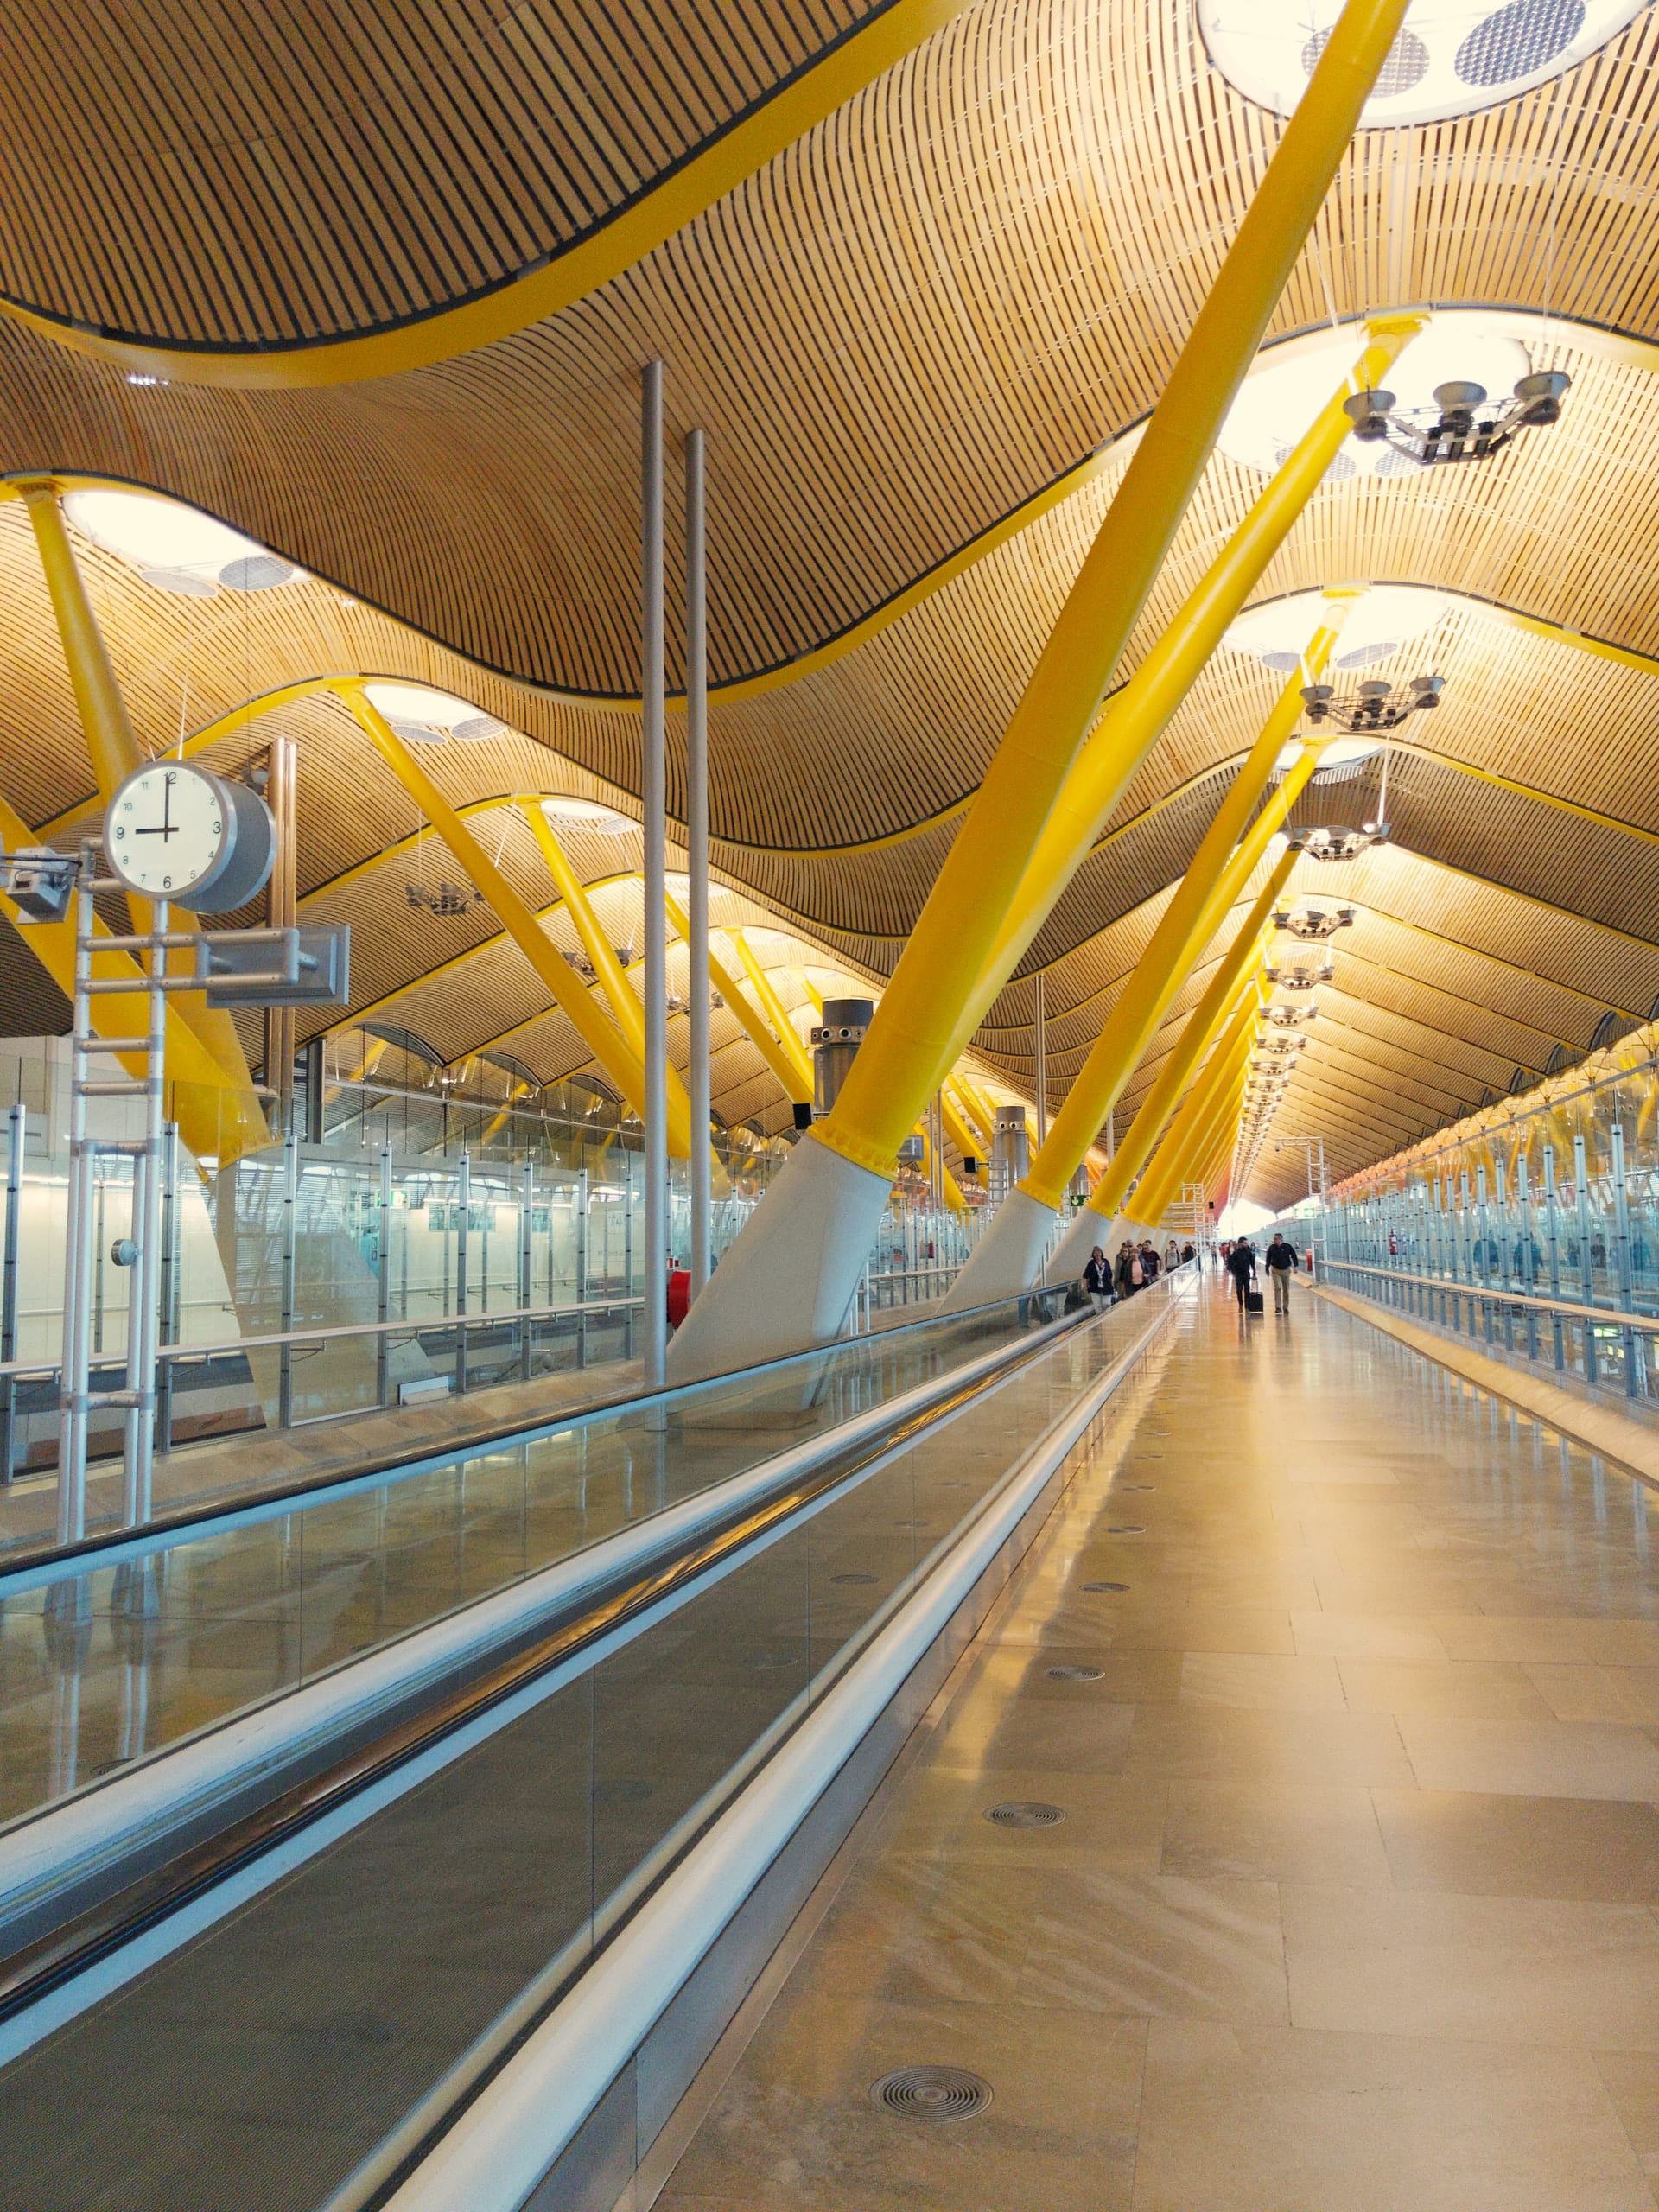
[1184, 928]
[600, 1034]
[114, 751]
[933, 1002]
[774, 1011]
[625, 1010]
[1209, 1105]
[796, 1086]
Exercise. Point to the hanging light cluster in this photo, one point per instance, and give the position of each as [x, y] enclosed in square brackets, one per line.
[1300, 976]
[1374, 709]
[1336, 842]
[1292, 1017]
[448, 902]
[1464, 423]
[1314, 925]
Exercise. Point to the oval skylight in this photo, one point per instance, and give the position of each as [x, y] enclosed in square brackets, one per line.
[175, 548]
[1450, 58]
[587, 817]
[428, 717]
[1387, 617]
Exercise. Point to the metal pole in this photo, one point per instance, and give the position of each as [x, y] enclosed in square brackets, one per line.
[1042, 1062]
[526, 1250]
[78, 1248]
[653, 795]
[18, 1124]
[464, 1209]
[170, 1272]
[697, 846]
[290, 1233]
[281, 911]
[144, 1290]
[383, 1284]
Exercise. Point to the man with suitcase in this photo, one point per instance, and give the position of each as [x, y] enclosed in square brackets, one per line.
[1241, 1265]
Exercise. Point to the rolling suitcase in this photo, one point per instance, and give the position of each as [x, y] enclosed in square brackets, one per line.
[1252, 1302]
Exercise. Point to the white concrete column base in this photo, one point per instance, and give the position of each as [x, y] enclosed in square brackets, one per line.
[1084, 1231]
[1005, 1261]
[788, 1281]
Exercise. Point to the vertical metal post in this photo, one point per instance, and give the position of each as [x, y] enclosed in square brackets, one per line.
[281, 911]
[383, 1283]
[526, 1285]
[290, 1254]
[169, 1306]
[1042, 1060]
[464, 1208]
[1586, 1273]
[144, 1289]
[1552, 1233]
[582, 1266]
[696, 847]
[1622, 1233]
[653, 794]
[78, 1244]
[18, 1125]
[627, 1248]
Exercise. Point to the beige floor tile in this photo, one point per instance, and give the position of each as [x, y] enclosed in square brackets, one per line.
[1521, 1637]
[1139, 1944]
[1208, 1742]
[796, 2126]
[1203, 1628]
[1261, 1681]
[1463, 1689]
[1109, 1822]
[1632, 2080]
[1365, 1636]
[1496, 1970]
[1593, 1849]
[1273, 1832]
[1264, 2119]
[1583, 1693]
[1532, 1758]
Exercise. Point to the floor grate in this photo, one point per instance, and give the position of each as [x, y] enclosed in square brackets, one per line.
[844, 1579]
[1095, 1588]
[1124, 1528]
[1077, 1674]
[930, 2093]
[1025, 1813]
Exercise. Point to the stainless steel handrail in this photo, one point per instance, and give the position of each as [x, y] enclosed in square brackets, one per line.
[1615, 1317]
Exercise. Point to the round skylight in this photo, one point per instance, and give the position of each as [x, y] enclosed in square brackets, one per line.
[415, 711]
[175, 548]
[587, 816]
[1450, 57]
[1386, 618]
[1340, 758]
[1280, 399]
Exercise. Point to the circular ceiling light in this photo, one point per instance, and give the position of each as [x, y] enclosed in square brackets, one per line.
[1450, 57]
[1288, 387]
[587, 816]
[1385, 619]
[175, 548]
[424, 716]
[1337, 760]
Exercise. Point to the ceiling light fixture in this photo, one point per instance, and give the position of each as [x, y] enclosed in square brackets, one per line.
[1464, 423]
[1373, 709]
[1314, 925]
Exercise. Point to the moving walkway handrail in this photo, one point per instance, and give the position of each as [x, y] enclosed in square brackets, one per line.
[1571, 1309]
[115, 1546]
[632, 1571]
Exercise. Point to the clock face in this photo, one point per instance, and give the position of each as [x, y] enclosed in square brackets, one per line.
[166, 829]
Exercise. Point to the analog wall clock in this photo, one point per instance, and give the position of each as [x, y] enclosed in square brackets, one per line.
[174, 830]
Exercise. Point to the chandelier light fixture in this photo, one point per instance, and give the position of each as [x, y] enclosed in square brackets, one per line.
[1314, 925]
[1464, 423]
[1374, 709]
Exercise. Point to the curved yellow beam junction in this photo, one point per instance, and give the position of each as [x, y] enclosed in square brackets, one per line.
[555, 283]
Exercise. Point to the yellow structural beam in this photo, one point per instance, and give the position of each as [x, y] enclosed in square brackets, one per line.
[935, 997]
[1139, 713]
[787, 1071]
[625, 1010]
[1208, 1018]
[598, 1032]
[1185, 926]
[774, 1010]
[113, 748]
[1210, 1105]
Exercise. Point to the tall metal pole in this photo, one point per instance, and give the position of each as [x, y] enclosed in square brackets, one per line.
[281, 911]
[1042, 1065]
[653, 794]
[697, 845]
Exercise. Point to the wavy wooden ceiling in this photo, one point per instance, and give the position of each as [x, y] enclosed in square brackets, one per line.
[939, 305]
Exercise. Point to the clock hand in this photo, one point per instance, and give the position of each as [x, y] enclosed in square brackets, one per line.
[167, 804]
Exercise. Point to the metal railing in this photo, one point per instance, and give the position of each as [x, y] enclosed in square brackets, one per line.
[1574, 1335]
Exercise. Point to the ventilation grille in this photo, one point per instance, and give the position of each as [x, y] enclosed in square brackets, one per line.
[1096, 1589]
[1077, 1674]
[930, 2093]
[1025, 1813]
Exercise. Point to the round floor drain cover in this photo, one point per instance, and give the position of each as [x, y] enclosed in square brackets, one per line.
[1025, 1813]
[1096, 1587]
[846, 1578]
[1125, 1528]
[1077, 1674]
[930, 2093]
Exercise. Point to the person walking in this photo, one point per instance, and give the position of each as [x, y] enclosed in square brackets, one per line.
[1241, 1265]
[1148, 1261]
[1281, 1261]
[1098, 1280]
[1127, 1270]
[1172, 1257]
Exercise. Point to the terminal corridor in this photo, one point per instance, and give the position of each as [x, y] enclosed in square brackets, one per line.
[1346, 1683]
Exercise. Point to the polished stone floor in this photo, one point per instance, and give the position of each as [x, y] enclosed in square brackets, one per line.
[1356, 1904]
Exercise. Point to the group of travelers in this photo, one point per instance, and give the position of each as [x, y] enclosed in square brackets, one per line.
[1240, 1258]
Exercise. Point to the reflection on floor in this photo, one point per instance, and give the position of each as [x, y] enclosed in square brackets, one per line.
[1352, 1909]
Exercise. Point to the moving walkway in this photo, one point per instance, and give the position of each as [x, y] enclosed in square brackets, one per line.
[461, 1902]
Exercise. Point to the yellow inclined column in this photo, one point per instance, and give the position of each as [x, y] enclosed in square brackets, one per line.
[1232, 1051]
[1213, 1015]
[1213, 1100]
[790, 1278]
[113, 748]
[774, 1010]
[1137, 717]
[795, 1087]
[625, 1010]
[569, 993]
[1184, 928]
